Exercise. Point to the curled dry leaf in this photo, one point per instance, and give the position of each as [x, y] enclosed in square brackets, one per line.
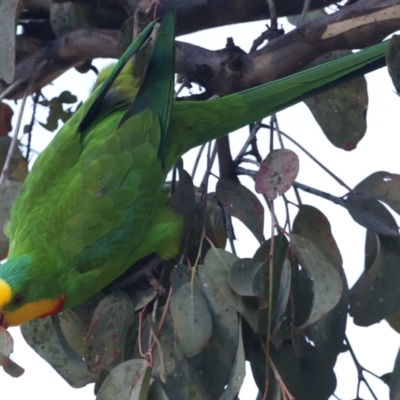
[277, 173]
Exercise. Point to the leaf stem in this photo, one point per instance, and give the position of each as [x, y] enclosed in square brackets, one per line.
[320, 193]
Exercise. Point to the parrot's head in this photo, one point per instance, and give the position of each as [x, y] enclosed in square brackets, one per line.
[24, 296]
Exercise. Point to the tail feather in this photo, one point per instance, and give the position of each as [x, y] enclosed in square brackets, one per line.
[195, 123]
[157, 88]
[106, 85]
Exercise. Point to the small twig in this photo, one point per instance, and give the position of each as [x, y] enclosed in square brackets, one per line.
[284, 390]
[11, 88]
[153, 316]
[306, 7]
[184, 84]
[14, 139]
[297, 194]
[244, 171]
[230, 231]
[35, 98]
[211, 159]
[360, 370]
[272, 13]
[250, 161]
[252, 135]
[320, 193]
[196, 162]
[274, 121]
[286, 203]
[271, 284]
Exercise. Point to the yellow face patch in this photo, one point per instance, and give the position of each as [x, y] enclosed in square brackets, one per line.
[30, 311]
[5, 293]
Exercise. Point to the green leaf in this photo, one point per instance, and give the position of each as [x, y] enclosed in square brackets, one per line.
[13, 369]
[277, 173]
[279, 254]
[215, 362]
[129, 380]
[375, 295]
[326, 280]
[107, 332]
[238, 372]
[191, 318]
[142, 297]
[156, 391]
[382, 186]
[248, 277]
[41, 336]
[283, 296]
[56, 110]
[393, 61]
[328, 332]
[341, 111]
[216, 268]
[394, 387]
[6, 342]
[386, 378]
[183, 381]
[243, 204]
[371, 214]
[73, 329]
[306, 377]
[179, 276]
[314, 226]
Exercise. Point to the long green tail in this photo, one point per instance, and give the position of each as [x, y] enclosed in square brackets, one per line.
[195, 123]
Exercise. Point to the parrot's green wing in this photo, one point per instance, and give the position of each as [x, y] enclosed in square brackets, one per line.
[93, 111]
[194, 123]
[106, 197]
[156, 91]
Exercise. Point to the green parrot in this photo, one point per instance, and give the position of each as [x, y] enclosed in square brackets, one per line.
[94, 202]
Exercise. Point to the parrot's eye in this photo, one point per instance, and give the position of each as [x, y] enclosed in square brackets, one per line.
[18, 299]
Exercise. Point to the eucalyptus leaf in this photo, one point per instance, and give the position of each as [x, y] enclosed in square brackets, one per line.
[341, 111]
[326, 280]
[41, 336]
[191, 318]
[243, 204]
[129, 380]
[277, 173]
[382, 186]
[107, 332]
[375, 295]
[371, 214]
[393, 61]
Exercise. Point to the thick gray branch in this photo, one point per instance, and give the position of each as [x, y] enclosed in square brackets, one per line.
[229, 70]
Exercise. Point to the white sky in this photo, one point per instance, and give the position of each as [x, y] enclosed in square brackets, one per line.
[376, 346]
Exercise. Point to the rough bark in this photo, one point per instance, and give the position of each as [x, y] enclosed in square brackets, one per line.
[228, 70]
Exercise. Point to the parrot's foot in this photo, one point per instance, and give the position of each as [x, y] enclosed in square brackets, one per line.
[143, 269]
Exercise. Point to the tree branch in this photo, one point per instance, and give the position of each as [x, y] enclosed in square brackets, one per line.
[228, 70]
